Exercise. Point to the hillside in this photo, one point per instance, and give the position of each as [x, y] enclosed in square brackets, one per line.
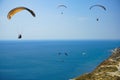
[107, 70]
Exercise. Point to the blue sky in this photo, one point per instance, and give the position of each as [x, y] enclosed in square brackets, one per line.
[77, 22]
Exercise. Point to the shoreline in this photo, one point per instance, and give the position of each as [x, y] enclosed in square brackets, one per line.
[109, 69]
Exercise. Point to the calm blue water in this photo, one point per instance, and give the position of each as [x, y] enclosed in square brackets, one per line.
[46, 60]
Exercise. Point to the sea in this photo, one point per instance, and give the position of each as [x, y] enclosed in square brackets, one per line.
[52, 59]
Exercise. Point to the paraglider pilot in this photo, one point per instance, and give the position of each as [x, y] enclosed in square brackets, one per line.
[19, 36]
[16, 10]
[97, 19]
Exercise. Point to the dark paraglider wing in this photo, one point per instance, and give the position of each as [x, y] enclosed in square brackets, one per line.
[62, 6]
[103, 7]
[18, 9]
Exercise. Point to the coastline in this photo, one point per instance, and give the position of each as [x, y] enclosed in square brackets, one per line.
[109, 69]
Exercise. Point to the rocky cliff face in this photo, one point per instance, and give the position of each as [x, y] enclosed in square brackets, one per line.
[107, 70]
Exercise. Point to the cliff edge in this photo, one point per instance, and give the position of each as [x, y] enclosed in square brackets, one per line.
[107, 70]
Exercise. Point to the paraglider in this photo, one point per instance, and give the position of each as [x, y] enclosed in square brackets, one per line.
[101, 6]
[66, 54]
[63, 56]
[83, 53]
[16, 10]
[62, 6]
